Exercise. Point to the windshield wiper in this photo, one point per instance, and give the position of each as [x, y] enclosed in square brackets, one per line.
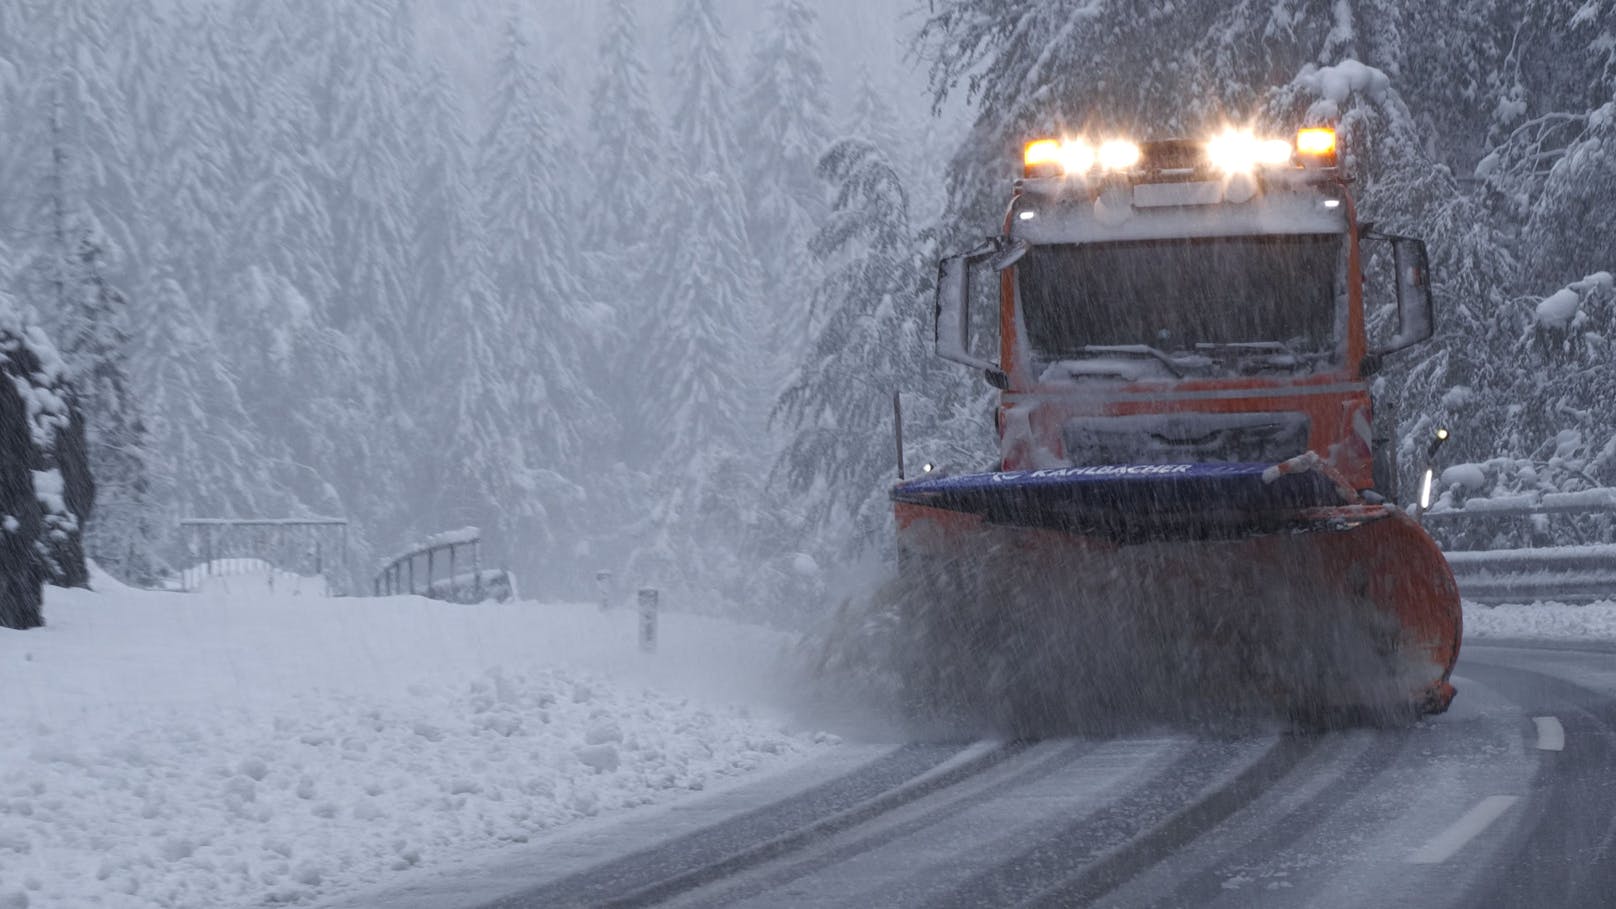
[1246, 347]
[1260, 356]
[1173, 365]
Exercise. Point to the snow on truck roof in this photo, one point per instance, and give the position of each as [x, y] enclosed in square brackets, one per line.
[1126, 213]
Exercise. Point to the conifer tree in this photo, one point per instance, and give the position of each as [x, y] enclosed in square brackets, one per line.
[82, 186]
[97, 349]
[206, 456]
[786, 119]
[533, 262]
[837, 407]
[1552, 167]
[479, 475]
[697, 416]
[186, 167]
[628, 151]
[696, 347]
[23, 427]
[628, 205]
[871, 118]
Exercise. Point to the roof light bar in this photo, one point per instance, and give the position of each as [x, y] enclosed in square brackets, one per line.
[1066, 157]
[1234, 152]
[1315, 140]
[1240, 152]
[1077, 156]
[1119, 154]
[1042, 158]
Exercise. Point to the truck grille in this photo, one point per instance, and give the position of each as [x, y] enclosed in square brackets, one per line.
[1186, 438]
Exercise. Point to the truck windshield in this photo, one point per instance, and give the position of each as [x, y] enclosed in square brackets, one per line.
[1207, 301]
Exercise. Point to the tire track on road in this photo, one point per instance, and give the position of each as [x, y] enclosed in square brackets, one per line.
[707, 855]
[857, 845]
[1086, 859]
[1272, 831]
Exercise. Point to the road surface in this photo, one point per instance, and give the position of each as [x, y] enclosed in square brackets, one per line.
[1509, 799]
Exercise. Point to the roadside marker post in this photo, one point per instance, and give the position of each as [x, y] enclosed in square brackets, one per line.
[648, 619]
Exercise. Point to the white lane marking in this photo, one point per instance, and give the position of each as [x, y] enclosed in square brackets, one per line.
[1550, 734]
[1442, 846]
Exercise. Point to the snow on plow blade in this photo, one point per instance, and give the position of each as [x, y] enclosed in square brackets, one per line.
[1135, 502]
[1050, 599]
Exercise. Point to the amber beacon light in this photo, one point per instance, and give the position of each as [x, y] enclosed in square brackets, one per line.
[1316, 142]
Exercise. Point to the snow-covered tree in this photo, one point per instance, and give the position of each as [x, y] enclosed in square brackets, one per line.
[697, 416]
[1552, 168]
[871, 117]
[785, 118]
[206, 456]
[627, 152]
[694, 338]
[119, 534]
[629, 163]
[479, 476]
[22, 519]
[839, 459]
[45, 485]
[184, 151]
[81, 185]
[525, 173]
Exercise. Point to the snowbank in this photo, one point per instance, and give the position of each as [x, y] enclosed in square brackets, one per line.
[241, 746]
[1542, 621]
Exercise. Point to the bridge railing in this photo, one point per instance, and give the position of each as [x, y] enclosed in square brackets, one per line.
[1569, 574]
[236, 547]
[445, 566]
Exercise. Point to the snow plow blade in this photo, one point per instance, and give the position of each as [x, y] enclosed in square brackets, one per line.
[1043, 600]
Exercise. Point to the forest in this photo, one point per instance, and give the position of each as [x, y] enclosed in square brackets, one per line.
[649, 318]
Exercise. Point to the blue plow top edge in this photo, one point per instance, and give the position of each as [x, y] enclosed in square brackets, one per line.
[1131, 500]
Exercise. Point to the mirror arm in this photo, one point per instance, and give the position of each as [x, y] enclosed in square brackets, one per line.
[953, 321]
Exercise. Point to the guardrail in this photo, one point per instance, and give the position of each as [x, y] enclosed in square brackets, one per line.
[1569, 574]
[303, 547]
[463, 580]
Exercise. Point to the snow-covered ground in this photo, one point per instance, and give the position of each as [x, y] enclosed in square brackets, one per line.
[1542, 621]
[244, 745]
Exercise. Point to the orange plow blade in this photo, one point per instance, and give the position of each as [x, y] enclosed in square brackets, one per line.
[1348, 616]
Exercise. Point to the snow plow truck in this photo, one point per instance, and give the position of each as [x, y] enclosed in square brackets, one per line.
[1194, 509]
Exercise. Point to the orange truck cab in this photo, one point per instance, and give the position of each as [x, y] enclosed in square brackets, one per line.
[1180, 302]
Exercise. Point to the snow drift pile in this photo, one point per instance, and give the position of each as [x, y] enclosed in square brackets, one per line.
[250, 747]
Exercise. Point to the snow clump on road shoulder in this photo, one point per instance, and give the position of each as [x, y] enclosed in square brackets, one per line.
[212, 750]
[1542, 621]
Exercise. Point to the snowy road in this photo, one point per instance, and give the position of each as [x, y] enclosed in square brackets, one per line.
[1508, 800]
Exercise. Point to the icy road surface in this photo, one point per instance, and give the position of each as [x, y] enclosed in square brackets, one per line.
[1507, 800]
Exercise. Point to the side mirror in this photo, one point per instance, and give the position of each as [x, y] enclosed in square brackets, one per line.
[1416, 310]
[953, 308]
